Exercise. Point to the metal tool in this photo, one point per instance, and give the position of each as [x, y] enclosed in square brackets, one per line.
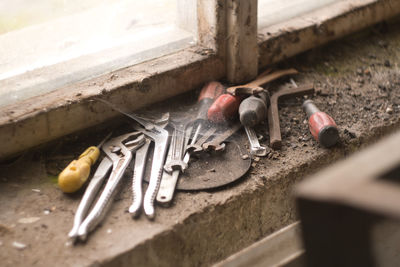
[198, 146]
[169, 180]
[177, 149]
[118, 155]
[138, 173]
[273, 113]
[207, 96]
[322, 126]
[252, 111]
[226, 106]
[217, 144]
[254, 87]
[77, 172]
[255, 147]
[160, 138]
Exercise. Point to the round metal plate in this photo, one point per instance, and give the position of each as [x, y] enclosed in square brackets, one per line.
[212, 170]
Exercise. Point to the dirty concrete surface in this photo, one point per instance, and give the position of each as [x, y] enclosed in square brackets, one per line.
[357, 82]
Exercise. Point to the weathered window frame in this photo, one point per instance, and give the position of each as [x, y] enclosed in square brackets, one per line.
[228, 46]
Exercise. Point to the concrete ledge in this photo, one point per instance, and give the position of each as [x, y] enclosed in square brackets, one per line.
[334, 21]
[56, 114]
[202, 228]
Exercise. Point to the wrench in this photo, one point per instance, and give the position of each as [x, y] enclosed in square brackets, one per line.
[168, 181]
[176, 148]
[197, 147]
[255, 147]
[217, 143]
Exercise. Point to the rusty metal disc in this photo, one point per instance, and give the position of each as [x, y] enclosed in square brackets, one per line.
[212, 170]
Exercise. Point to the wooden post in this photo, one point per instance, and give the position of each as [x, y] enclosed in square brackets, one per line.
[241, 40]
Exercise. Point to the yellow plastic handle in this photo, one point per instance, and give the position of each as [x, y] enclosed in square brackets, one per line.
[77, 172]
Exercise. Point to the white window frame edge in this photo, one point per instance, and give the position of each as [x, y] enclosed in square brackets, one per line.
[226, 48]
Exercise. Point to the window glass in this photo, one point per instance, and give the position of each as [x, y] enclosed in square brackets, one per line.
[46, 44]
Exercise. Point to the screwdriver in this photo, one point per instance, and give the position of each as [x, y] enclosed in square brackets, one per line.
[322, 127]
[224, 108]
[77, 172]
[208, 94]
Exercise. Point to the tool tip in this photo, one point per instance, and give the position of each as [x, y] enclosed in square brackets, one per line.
[134, 211]
[328, 136]
[149, 213]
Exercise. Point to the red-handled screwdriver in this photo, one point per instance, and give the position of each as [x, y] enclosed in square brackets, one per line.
[322, 127]
[224, 108]
[208, 94]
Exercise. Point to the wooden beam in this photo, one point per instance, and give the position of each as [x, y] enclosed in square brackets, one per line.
[241, 38]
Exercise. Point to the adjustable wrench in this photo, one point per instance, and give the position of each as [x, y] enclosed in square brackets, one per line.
[217, 143]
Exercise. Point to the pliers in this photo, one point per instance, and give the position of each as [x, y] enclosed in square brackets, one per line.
[119, 152]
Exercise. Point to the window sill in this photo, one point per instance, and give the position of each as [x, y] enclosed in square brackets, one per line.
[284, 40]
[50, 116]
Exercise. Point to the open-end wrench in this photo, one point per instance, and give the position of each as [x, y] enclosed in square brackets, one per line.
[255, 147]
[168, 181]
[177, 145]
[273, 114]
[197, 146]
[119, 150]
[217, 144]
[138, 173]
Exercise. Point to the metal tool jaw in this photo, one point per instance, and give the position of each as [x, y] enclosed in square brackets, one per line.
[169, 180]
[176, 150]
[197, 147]
[138, 174]
[160, 137]
[217, 144]
[255, 148]
[118, 156]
